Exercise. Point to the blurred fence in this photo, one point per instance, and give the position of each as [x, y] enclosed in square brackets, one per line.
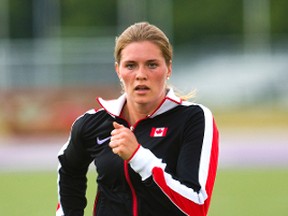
[54, 80]
[229, 78]
[74, 62]
[56, 63]
[45, 84]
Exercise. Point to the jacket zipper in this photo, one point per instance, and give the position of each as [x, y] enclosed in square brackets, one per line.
[134, 196]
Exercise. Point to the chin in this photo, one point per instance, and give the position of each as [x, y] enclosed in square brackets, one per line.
[142, 101]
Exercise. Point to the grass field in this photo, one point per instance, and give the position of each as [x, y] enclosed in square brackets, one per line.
[240, 192]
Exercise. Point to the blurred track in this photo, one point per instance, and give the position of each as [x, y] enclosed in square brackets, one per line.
[254, 149]
[237, 150]
[29, 154]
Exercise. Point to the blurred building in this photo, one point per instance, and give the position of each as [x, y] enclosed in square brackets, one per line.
[225, 72]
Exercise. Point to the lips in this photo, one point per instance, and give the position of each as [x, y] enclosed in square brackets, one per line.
[141, 88]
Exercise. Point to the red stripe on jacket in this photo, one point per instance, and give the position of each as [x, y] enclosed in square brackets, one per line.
[187, 206]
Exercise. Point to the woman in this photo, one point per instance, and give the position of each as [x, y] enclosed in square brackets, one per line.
[155, 154]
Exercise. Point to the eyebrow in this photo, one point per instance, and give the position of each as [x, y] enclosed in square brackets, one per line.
[133, 61]
[152, 60]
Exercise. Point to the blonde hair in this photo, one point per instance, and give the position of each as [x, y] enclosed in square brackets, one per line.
[185, 96]
[143, 31]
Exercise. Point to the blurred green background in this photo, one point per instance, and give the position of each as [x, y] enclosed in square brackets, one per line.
[56, 57]
[237, 192]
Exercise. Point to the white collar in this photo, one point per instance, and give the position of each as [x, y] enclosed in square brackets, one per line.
[114, 107]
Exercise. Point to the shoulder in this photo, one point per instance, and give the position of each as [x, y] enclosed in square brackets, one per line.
[198, 114]
[195, 109]
[88, 119]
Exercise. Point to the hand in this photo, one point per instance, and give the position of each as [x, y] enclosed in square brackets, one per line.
[123, 141]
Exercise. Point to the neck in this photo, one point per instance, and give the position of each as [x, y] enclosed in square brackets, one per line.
[135, 113]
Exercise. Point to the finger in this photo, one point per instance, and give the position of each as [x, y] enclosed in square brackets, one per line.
[114, 150]
[117, 126]
[113, 143]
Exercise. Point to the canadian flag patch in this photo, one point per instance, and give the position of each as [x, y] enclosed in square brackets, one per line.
[159, 132]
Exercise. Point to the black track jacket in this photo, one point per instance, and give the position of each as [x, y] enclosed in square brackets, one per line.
[171, 173]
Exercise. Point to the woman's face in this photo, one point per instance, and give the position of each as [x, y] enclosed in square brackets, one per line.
[143, 71]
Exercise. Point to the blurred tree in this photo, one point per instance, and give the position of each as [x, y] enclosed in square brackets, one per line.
[93, 14]
[196, 20]
[193, 21]
[46, 18]
[4, 20]
[279, 16]
[20, 19]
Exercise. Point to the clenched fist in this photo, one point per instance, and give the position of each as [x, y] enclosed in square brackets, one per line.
[123, 141]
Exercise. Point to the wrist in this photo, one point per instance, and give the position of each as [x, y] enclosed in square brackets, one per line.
[133, 153]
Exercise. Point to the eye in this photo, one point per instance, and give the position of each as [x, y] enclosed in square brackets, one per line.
[130, 66]
[152, 65]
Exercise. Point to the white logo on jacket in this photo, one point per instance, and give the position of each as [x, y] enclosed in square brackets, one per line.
[101, 141]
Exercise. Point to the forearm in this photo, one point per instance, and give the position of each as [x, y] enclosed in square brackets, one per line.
[71, 192]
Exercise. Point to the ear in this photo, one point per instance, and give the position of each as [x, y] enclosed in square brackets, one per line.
[117, 69]
[169, 71]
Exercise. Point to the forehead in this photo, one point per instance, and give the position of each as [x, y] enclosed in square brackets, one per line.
[142, 50]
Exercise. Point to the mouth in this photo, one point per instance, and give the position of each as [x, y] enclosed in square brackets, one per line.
[141, 88]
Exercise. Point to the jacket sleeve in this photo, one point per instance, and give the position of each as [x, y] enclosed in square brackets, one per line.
[191, 188]
[72, 182]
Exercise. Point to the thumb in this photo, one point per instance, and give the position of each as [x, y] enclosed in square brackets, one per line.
[117, 126]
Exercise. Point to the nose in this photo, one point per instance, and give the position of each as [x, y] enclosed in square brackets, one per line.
[141, 74]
